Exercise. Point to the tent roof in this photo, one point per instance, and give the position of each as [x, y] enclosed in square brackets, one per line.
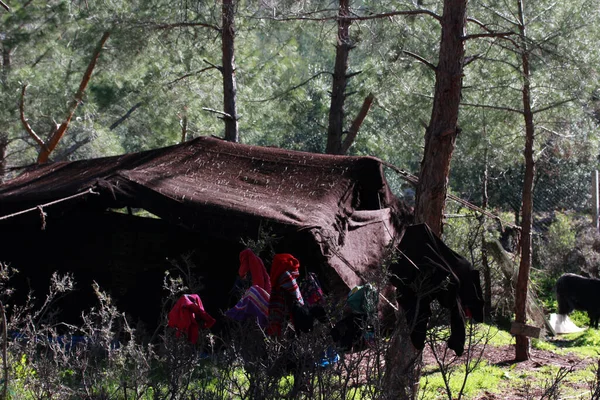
[288, 187]
[208, 184]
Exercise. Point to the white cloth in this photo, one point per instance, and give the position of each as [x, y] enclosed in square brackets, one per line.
[563, 324]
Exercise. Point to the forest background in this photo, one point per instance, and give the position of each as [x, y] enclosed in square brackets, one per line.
[159, 79]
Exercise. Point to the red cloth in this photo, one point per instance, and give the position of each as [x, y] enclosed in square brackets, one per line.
[250, 262]
[183, 317]
[283, 262]
[285, 291]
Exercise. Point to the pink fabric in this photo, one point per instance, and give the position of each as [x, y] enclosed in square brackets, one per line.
[183, 317]
[250, 262]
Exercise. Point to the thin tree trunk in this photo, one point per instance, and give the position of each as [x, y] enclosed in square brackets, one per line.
[58, 134]
[522, 342]
[442, 131]
[5, 64]
[184, 128]
[228, 71]
[357, 123]
[487, 275]
[340, 81]
[3, 149]
[3, 135]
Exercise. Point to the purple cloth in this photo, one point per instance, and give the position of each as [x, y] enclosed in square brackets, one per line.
[254, 304]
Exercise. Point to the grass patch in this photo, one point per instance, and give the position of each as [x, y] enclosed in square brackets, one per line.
[496, 336]
[583, 344]
[485, 378]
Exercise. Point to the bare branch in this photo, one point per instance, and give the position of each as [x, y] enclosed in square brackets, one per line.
[190, 74]
[486, 35]
[5, 6]
[124, 117]
[26, 125]
[491, 32]
[220, 68]
[395, 13]
[224, 114]
[553, 105]
[358, 17]
[356, 124]
[501, 108]
[292, 88]
[157, 26]
[554, 132]
[421, 59]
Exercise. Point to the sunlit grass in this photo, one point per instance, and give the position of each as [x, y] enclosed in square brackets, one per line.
[583, 344]
[484, 378]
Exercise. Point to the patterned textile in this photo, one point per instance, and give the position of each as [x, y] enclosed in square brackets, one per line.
[311, 289]
[285, 291]
[183, 317]
[254, 304]
[250, 262]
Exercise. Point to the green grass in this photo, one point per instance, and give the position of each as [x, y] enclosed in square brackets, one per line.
[484, 378]
[582, 344]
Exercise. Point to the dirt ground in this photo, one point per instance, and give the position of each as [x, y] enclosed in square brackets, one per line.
[503, 356]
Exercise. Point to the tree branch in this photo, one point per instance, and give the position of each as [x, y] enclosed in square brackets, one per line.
[501, 108]
[220, 68]
[421, 59]
[356, 124]
[555, 133]
[490, 34]
[224, 114]
[157, 26]
[554, 105]
[124, 117]
[191, 73]
[58, 134]
[5, 6]
[359, 18]
[292, 88]
[26, 125]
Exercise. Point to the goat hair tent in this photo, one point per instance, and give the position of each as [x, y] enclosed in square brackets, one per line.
[332, 212]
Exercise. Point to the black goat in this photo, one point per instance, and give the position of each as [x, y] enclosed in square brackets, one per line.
[576, 292]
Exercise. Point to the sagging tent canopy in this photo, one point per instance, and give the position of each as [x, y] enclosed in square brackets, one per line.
[228, 190]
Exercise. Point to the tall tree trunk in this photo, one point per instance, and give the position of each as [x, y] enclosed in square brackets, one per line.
[340, 81]
[442, 131]
[228, 71]
[435, 167]
[522, 342]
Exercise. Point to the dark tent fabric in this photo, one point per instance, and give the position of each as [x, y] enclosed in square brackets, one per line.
[227, 191]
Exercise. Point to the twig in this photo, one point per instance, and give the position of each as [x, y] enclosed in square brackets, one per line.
[5, 6]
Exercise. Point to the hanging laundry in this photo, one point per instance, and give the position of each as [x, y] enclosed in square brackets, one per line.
[185, 314]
